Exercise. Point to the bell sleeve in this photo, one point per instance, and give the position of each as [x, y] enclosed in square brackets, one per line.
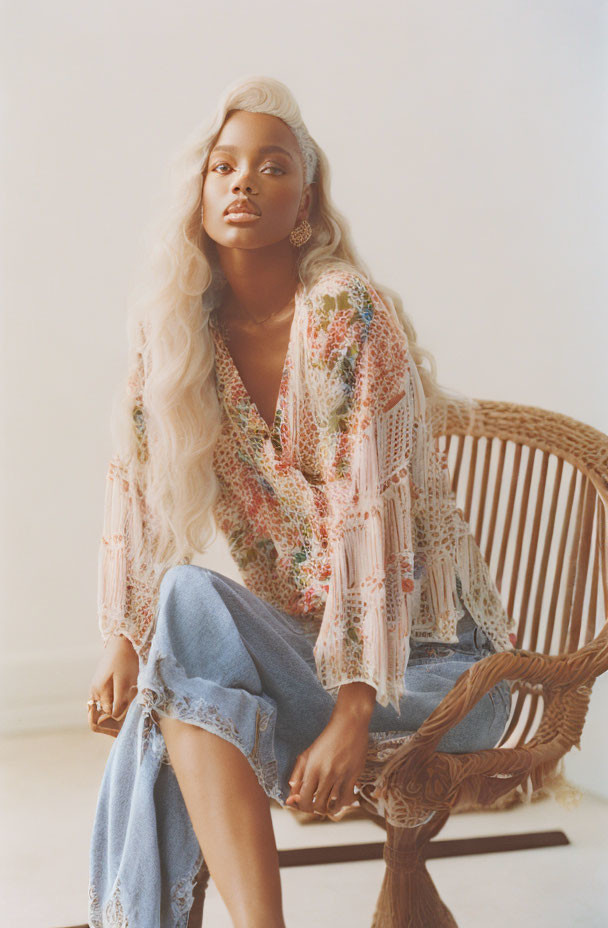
[126, 596]
[368, 402]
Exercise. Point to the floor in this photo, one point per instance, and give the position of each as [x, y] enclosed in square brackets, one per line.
[49, 789]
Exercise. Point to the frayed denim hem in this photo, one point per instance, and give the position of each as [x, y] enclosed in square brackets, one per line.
[181, 701]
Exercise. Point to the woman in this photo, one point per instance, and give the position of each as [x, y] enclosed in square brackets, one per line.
[274, 389]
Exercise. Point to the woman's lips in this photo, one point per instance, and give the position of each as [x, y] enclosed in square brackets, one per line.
[241, 217]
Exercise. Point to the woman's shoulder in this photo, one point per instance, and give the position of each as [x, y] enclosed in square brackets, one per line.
[333, 278]
[346, 311]
[344, 299]
[340, 298]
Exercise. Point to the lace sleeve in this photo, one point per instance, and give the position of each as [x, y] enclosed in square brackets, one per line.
[367, 400]
[126, 596]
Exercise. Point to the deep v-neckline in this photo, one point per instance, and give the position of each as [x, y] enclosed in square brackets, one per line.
[235, 380]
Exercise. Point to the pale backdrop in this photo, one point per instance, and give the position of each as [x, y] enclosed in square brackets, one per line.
[468, 147]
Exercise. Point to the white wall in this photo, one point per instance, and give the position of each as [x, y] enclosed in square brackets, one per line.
[468, 147]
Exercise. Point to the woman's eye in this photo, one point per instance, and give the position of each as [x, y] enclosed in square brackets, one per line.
[223, 164]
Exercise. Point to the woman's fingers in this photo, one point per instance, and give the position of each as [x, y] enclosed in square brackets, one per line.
[123, 696]
[113, 686]
[324, 795]
[340, 796]
[106, 695]
[312, 791]
[295, 780]
[91, 716]
[348, 793]
[307, 791]
[96, 714]
[103, 697]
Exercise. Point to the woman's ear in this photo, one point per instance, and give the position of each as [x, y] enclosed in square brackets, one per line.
[308, 200]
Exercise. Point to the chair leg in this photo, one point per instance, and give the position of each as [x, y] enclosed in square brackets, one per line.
[195, 919]
[408, 897]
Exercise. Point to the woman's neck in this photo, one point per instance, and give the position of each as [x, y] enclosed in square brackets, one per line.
[260, 283]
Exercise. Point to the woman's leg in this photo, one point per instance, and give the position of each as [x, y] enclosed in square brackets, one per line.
[230, 815]
[432, 671]
[229, 685]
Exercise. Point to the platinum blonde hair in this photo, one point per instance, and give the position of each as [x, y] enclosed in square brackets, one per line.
[166, 417]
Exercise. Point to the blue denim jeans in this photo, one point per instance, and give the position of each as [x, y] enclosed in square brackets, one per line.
[227, 661]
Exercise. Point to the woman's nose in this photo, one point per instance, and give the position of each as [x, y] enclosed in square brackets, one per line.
[242, 184]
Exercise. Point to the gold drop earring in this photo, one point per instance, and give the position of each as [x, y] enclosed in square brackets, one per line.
[301, 233]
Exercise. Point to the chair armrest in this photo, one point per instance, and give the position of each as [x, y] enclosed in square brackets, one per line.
[566, 681]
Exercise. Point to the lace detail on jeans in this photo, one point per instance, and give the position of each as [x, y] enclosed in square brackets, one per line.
[182, 895]
[94, 914]
[197, 710]
[110, 915]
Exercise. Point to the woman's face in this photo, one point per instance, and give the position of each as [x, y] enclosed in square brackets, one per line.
[255, 157]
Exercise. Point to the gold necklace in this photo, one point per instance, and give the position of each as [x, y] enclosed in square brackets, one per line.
[261, 321]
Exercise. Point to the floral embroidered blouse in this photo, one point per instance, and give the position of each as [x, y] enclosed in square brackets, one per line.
[342, 513]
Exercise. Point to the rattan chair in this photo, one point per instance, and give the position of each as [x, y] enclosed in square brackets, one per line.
[533, 486]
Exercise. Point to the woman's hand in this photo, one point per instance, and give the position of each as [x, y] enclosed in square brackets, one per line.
[114, 682]
[331, 766]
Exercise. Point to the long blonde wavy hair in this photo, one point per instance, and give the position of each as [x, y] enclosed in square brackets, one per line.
[166, 417]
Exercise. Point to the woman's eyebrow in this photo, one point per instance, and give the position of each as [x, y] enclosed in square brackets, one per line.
[263, 150]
